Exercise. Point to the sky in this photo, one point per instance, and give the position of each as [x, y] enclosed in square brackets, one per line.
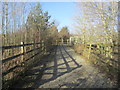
[62, 12]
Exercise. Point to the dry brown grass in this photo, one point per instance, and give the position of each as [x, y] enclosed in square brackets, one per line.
[79, 48]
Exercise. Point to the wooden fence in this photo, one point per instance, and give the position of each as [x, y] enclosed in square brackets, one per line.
[101, 55]
[104, 56]
[17, 58]
[107, 53]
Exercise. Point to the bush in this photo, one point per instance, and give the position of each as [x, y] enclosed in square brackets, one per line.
[79, 48]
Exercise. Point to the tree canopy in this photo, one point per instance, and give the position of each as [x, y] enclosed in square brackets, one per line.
[64, 33]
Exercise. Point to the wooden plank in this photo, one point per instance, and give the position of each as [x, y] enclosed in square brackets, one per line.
[10, 58]
[16, 46]
[13, 57]
[11, 69]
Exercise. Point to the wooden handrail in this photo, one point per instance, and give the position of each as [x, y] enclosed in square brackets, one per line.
[13, 57]
[16, 66]
[41, 48]
[16, 46]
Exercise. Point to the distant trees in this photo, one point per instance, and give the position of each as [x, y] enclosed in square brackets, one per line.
[11, 22]
[64, 33]
[30, 25]
[37, 24]
[54, 33]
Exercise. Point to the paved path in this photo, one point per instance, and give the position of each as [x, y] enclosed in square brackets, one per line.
[65, 69]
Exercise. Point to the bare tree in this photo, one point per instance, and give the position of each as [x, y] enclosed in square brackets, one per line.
[98, 20]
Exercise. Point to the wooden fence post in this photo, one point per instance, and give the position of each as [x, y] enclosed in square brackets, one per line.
[70, 40]
[89, 51]
[98, 47]
[76, 41]
[67, 41]
[22, 51]
[111, 51]
[62, 40]
[33, 46]
[43, 46]
[107, 48]
[56, 42]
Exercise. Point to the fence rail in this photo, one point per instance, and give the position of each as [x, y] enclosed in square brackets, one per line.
[13, 57]
[37, 48]
[104, 53]
[16, 46]
[34, 50]
[41, 48]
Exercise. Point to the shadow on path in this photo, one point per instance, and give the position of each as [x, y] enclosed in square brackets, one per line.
[39, 70]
